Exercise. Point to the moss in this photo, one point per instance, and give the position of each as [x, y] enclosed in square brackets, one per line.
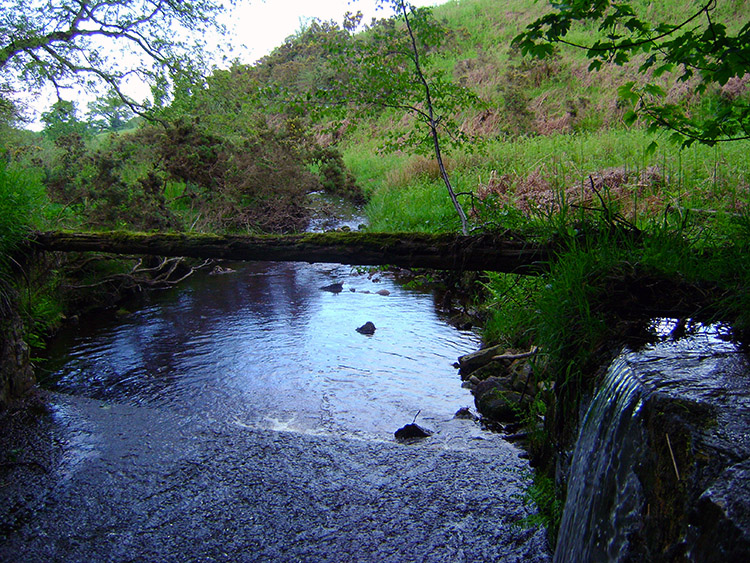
[673, 475]
[384, 239]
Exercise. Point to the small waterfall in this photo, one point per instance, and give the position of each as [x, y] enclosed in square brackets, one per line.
[636, 495]
[604, 495]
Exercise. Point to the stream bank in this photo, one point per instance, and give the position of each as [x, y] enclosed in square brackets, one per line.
[660, 466]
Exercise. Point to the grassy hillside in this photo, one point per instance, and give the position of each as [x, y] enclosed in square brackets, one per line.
[545, 128]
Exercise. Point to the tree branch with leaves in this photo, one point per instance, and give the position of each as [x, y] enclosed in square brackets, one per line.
[392, 65]
[102, 43]
[698, 49]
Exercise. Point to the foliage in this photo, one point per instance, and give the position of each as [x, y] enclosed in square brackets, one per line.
[110, 113]
[699, 49]
[65, 43]
[302, 64]
[549, 505]
[22, 200]
[62, 120]
[393, 66]
[256, 184]
[183, 176]
[334, 176]
[233, 110]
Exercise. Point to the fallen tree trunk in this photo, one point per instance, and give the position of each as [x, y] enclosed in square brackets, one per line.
[407, 250]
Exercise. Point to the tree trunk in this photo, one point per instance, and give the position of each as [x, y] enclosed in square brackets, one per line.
[432, 122]
[407, 250]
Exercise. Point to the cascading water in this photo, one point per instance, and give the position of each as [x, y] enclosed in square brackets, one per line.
[634, 493]
[604, 495]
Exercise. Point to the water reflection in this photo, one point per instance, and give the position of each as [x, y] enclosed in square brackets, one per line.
[264, 346]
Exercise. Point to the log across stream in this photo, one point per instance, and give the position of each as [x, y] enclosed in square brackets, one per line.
[408, 250]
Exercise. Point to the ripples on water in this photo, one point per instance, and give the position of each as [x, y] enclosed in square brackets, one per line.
[265, 347]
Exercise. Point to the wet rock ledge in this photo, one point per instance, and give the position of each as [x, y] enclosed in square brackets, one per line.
[501, 380]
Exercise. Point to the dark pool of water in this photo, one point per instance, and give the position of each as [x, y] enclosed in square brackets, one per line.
[267, 348]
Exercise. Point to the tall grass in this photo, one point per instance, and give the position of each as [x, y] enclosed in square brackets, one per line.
[712, 179]
[22, 199]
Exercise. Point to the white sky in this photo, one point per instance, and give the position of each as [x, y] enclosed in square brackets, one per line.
[262, 25]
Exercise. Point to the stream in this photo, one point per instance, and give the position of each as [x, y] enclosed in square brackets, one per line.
[241, 417]
[265, 347]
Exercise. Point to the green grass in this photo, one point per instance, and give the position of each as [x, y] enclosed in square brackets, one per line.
[416, 208]
[22, 204]
[405, 193]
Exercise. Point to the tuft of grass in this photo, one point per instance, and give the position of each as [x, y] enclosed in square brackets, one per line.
[549, 504]
[22, 200]
[416, 207]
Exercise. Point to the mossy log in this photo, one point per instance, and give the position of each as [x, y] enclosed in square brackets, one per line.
[407, 250]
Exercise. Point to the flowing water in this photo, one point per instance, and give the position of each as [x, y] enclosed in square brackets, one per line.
[605, 503]
[242, 417]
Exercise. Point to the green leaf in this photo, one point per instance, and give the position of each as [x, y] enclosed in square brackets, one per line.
[677, 139]
[626, 92]
[654, 90]
[630, 117]
[663, 69]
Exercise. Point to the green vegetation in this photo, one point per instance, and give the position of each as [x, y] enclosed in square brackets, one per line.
[620, 163]
[705, 45]
[22, 202]
[23, 206]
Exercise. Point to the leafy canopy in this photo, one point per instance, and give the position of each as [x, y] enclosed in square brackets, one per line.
[699, 50]
[95, 43]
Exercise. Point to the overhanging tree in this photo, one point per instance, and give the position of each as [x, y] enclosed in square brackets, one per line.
[697, 48]
[100, 44]
[62, 120]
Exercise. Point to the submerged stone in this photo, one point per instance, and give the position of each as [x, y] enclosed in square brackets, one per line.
[333, 288]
